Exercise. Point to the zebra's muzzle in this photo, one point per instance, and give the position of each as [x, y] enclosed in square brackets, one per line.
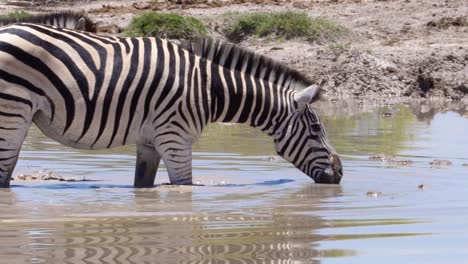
[332, 174]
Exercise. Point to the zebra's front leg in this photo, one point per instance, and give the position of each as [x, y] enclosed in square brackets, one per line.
[178, 160]
[147, 163]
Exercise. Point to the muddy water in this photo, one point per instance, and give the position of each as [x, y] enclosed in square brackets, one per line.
[249, 207]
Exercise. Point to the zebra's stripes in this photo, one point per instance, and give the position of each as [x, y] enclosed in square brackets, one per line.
[269, 100]
[90, 91]
[63, 19]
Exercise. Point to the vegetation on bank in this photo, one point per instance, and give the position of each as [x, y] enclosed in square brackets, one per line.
[280, 25]
[238, 26]
[166, 25]
[15, 15]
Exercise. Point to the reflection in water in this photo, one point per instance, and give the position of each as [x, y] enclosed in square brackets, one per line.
[171, 225]
[372, 132]
[165, 225]
[248, 208]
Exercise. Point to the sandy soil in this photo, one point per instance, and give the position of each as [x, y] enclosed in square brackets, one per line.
[397, 50]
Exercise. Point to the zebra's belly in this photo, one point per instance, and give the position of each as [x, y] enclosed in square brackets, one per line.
[73, 138]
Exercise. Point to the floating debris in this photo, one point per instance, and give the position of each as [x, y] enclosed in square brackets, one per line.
[381, 157]
[465, 164]
[272, 158]
[374, 194]
[401, 163]
[391, 160]
[440, 163]
[46, 175]
[421, 187]
[386, 114]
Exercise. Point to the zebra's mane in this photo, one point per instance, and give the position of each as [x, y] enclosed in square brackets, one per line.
[63, 19]
[247, 61]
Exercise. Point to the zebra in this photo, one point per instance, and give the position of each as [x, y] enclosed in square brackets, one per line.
[90, 91]
[64, 19]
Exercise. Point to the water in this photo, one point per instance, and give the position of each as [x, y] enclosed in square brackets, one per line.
[247, 207]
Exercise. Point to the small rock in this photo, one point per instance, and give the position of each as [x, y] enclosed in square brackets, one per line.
[425, 82]
[301, 4]
[440, 163]
[141, 6]
[421, 187]
[26, 177]
[107, 28]
[19, 3]
[462, 88]
[272, 158]
[402, 163]
[392, 161]
[386, 114]
[374, 194]
[381, 157]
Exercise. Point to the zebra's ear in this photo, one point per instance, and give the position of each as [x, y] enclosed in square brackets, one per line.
[81, 24]
[306, 96]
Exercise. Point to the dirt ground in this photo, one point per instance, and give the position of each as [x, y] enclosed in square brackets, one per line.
[397, 50]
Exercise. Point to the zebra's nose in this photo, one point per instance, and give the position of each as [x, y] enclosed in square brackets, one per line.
[336, 165]
[334, 173]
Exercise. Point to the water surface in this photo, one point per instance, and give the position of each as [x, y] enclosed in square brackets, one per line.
[248, 207]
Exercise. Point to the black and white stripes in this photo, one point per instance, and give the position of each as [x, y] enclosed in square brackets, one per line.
[90, 91]
[63, 19]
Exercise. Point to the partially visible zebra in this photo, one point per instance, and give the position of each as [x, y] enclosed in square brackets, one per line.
[63, 19]
[92, 92]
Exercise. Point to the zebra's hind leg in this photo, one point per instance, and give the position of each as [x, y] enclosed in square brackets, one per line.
[147, 164]
[16, 110]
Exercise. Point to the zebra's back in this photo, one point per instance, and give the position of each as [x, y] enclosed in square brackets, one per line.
[88, 91]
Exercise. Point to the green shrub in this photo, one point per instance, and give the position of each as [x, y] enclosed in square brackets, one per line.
[15, 15]
[166, 25]
[282, 25]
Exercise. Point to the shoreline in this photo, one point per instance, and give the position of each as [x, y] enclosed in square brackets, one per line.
[397, 51]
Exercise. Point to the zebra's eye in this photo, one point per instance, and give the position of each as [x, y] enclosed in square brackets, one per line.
[316, 127]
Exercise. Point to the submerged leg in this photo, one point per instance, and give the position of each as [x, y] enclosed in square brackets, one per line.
[178, 160]
[15, 120]
[147, 164]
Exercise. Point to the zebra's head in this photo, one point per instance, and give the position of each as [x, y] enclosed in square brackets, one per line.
[303, 142]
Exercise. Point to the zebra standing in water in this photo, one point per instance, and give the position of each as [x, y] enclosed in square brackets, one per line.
[91, 92]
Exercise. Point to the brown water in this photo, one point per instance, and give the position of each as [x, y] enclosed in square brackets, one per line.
[249, 208]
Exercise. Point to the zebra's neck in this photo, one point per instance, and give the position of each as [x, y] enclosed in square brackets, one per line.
[242, 98]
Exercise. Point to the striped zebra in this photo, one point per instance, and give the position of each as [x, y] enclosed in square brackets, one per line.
[90, 91]
[63, 19]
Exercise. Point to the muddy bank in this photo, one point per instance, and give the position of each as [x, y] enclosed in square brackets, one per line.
[397, 50]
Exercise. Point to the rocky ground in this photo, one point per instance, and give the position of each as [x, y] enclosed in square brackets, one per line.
[397, 50]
